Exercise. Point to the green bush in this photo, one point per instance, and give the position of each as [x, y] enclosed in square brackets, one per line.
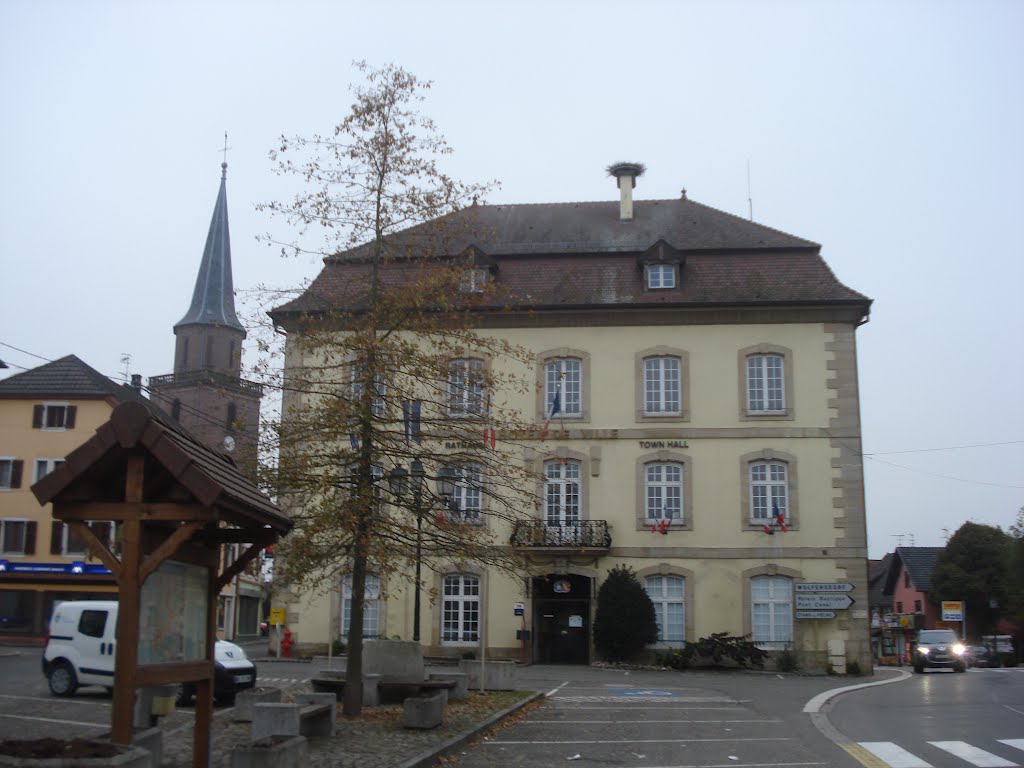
[720, 645]
[675, 658]
[338, 647]
[625, 621]
[786, 661]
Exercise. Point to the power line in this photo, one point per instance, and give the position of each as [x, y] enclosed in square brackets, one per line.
[948, 448]
[944, 477]
[24, 352]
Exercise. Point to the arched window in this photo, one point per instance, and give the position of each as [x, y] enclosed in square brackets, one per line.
[771, 606]
[460, 609]
[668, 593]
[769, 491]
[662, 386]
[663, 489]
[766, 392]
[465, 387]
[562, 492]
[371, 606]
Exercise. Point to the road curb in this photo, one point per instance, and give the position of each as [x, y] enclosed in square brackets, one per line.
[427, 758]
[814, 705]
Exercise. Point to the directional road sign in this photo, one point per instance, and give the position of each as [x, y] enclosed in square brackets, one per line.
[823, 586]
[816, 602]
[815, 614]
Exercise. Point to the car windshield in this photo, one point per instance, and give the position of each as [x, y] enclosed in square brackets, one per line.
[937, 636]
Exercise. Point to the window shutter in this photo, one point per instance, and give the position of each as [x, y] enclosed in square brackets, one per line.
[37, 417]
[30, 537]
[102, 531]
[69, 416]
[56, 537]
[16, 467]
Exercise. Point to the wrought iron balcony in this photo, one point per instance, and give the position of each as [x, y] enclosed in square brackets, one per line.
[206, 377]
[585, 534]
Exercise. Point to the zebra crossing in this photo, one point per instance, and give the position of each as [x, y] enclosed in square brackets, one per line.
[278, 682]
[895, 756]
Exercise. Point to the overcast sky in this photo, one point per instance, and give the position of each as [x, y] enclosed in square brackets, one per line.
[889, 132]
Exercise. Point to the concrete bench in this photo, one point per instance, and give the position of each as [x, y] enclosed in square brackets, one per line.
[394, 691]
[424, 712]
[312, 715]
[461, 679]
[336, 686]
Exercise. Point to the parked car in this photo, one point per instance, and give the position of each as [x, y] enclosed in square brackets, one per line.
[980, 656]
[938, 649]
[80, 650]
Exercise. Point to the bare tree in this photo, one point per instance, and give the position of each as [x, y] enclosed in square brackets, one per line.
[396, 447]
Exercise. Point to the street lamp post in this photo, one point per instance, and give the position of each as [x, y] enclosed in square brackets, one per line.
[398, 480]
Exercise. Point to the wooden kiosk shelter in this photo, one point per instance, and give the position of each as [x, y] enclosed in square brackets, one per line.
[174, 503]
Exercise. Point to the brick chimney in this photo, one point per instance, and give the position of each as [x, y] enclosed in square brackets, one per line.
[626, 175]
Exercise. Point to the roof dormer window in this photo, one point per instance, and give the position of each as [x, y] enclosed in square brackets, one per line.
[473, 280]
[660, 276]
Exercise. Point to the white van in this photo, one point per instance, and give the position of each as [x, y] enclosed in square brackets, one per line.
[81, 644]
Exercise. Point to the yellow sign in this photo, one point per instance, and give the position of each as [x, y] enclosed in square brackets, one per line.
[952, 610]
[277, 616]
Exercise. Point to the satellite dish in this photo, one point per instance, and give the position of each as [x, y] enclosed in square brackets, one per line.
[229, 443]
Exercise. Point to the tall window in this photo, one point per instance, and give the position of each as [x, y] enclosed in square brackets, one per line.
[564, 376]
[465, 387]
[466, 492]
[562, 492]
[379, 388]
[663, 484]
[771, 605]
[371, 606]
[765, 389]
[769, 490]
[668, 593]
[661, 386]
[44, 467]
[14, 537]
[460, 609]
[661, 276]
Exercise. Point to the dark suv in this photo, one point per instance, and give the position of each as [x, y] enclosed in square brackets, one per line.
[939, 648]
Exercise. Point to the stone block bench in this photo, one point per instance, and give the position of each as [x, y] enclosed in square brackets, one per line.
[377, 691]
[312, 715]
[424, 712]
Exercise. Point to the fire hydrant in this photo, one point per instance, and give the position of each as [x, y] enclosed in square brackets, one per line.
[286, 644]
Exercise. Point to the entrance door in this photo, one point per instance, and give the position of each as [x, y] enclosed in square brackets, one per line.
[563, 632]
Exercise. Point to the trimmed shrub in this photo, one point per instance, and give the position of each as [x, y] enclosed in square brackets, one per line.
[786, 661]
[625, 620]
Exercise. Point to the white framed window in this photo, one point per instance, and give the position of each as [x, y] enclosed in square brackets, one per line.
[771, 606]
[769, 490]
[14, 536]
[465, 503]
[54, 416]
[465, 387]
[663, 488]
[10, 473]
[562, 492]
[766, 392]
[668, 593]
[662, 386]
[564, 376]
[460, 610]
[660, 276]
[473, 280]
[379, 387]
[43, 467]
[371, 606]
[65, 540]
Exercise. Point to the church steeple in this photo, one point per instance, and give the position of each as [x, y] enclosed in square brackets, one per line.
[213, 300]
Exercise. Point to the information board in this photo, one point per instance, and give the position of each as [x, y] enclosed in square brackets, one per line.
[172, 614]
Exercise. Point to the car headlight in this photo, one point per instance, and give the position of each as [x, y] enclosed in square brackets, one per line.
[959, 649]
[923, 650]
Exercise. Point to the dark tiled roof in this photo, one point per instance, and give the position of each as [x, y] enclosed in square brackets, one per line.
[581, 255]
[878, 574]
[67, 377]
[919, 562]
[211, 478]
[213, 300]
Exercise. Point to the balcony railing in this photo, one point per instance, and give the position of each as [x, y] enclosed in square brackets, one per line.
[206, 377]
[592, 534]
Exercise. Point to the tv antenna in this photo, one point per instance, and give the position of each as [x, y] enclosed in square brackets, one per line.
[126, 358]
[750, 196]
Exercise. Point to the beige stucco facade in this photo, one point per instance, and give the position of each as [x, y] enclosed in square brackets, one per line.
[715, 547]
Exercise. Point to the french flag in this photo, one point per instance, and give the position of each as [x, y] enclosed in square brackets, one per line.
[556, 406]
[780, 519]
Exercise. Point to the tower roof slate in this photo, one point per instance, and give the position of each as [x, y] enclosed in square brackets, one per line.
[213, 300]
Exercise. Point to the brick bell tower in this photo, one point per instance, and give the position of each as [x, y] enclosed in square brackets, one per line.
[206, 394]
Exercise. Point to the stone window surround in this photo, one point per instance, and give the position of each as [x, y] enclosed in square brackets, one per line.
[455, 569]
[664, 569]
[769, 569]
[560, 353]
[792, 495]
[535, 466]
[664, 457]
[789, 414]
[684, 383]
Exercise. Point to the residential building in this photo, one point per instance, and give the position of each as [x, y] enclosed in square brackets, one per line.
[207, 395]
[707, 435]
[45, 413]
[907, 582]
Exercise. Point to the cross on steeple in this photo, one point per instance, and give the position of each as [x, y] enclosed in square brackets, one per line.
[224, 163]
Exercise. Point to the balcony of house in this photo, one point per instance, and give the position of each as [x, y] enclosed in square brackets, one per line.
[213, 378]
[580, 536]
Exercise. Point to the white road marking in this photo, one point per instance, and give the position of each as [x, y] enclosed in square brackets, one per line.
[894, 755]
[553, 691]
[53, 699]
[635, 722]
[54, 720]
[973, 755]
[641, 741]
[1015, 743]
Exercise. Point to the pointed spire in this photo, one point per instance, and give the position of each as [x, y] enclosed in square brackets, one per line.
[213, 300]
